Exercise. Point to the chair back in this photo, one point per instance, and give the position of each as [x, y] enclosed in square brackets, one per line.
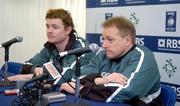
[168, 95]
[13, 67]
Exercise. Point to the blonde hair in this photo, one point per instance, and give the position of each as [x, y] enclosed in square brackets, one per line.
[123, 25]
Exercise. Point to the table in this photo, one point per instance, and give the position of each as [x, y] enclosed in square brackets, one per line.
[70, 100]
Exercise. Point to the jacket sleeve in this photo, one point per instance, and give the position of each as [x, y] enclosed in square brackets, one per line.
[69, 62]
[92, 67]
[143, 78]
[37, 61]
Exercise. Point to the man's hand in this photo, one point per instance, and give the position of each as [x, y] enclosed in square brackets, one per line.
[117, 78]
[114, 77]
[20, 77]
[38, 71]
[66, 87]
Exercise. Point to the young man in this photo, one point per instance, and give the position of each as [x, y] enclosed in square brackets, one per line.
[61, 37]
[123, 72]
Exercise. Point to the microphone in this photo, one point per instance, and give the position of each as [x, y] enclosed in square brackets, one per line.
[51, 69]
[92, 48]
[38, 78]
[10, 42]
[53, 72]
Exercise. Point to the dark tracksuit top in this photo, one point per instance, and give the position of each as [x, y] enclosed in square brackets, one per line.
[138, 65]
[67, 63]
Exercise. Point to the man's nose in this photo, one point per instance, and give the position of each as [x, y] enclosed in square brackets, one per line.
[49, 29]
[104, 44]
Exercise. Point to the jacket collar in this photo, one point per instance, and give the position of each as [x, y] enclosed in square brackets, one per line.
[120, 58]
[51, 47]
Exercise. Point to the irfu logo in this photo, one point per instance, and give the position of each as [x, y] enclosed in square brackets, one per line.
[134, 19]
[170, 68]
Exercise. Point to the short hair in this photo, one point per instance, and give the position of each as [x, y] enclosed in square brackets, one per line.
[124, 26]
[62, 14]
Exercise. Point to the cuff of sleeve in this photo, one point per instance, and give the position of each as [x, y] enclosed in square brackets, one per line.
[33, 68]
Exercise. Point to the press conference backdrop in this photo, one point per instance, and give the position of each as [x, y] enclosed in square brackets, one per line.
[158, 27]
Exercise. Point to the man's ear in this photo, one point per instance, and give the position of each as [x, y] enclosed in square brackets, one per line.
[129, 39]
[68, 30]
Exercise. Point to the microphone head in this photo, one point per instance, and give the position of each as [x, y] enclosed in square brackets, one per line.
[19, 38]
[94, 47]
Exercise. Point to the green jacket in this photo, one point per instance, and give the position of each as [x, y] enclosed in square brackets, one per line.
[138, 65]
[67, 63]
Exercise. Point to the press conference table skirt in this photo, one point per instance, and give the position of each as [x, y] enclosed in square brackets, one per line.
[70, 101]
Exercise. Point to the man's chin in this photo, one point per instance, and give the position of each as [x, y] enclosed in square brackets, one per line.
[109, 56]
[51, 41]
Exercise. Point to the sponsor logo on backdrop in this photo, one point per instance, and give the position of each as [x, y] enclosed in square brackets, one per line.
[169, 67]
[176, 88]
[94, 38]
[101, 40]
[109, 2]
[135, 1]
[167, 0]
[169, 44]
[117, 3]
[170, 21]
[134, 19]
[139, 41]
[159, 43]
[177, 91]
[108, 15]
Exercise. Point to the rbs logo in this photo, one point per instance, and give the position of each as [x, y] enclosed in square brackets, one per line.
[168, 43]
[177, 91]
[140, 41]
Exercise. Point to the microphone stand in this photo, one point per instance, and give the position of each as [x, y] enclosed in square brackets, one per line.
[40, 102]
[77, 74]
[77, 85]
[6, 59]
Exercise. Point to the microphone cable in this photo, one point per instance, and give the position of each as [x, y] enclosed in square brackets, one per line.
[59, 67]
[8, 81]
[56, 58]
[5, 79]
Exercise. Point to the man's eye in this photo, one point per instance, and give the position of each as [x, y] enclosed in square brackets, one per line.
[102, 39]
[47, 27]
[110, 39]
[55, 27]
